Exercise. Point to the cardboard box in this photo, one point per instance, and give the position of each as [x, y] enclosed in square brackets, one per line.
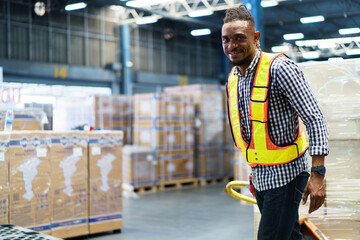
[208, 98]
[139, 166]
[29, 178]
[209, 162]
[25, 119]
[114, 113]
[148, 106]
[209, 131]
[4, 178]
[165, 137]
[69, 178]
[175, 164]
[105, 180]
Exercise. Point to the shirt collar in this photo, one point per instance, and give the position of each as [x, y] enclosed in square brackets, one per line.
[252, 66]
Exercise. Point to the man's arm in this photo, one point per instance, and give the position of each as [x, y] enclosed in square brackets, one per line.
[315, 187]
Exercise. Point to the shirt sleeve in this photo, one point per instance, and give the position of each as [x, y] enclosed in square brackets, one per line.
[297, 90]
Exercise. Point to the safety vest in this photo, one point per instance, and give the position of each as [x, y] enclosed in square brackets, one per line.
[261, 149]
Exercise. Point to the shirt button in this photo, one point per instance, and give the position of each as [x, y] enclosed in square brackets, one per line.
[256, 158]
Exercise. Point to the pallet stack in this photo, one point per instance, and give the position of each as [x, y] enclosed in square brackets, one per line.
[209, 129]
[165, 122]
[337, 88]
[114, 113]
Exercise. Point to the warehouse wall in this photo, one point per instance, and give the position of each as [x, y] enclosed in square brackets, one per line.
[86, 37]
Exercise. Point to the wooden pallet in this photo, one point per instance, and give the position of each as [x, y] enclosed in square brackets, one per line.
[130, 189]
[177, 184]
[204, 182]
[145, 189]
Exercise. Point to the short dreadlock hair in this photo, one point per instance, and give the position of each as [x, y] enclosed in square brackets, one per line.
[239, 13]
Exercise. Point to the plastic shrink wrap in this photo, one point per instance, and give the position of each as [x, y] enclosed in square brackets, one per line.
[165, 122]
[337, 89]
[209, 126]
[105, 181]
[30, 180]
[69, 183]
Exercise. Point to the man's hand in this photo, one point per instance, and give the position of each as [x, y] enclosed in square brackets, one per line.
[316, 189]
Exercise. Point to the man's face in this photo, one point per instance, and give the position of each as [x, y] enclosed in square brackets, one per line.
[239, 42]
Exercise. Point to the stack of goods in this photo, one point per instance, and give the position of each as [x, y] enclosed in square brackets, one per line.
[209, 128]
[69, 183]
[165, 122]
[114, 113]
[337, 86]
[29, 180]
[4, 180]
[25, 119]
[139, 166]
[47, 109]
[105, 179]
[229, 149]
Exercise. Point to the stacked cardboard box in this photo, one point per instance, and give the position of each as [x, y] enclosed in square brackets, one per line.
[4, 181]
[105, 180]
[114, 113]
[29, 178]
[47, 109]
[165, 122]
[209, 128]
[337, 87]
[69, 181]
[139, 166]
[25, 119]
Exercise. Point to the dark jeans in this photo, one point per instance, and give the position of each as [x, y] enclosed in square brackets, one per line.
[279, 209]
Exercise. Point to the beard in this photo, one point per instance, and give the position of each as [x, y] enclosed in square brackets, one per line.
[244, 61]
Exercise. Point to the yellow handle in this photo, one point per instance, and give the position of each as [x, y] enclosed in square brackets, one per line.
[235, 194]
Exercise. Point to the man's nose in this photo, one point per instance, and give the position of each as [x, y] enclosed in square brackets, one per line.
[233, 44]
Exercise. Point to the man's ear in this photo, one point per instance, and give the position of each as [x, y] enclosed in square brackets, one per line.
[257, 36]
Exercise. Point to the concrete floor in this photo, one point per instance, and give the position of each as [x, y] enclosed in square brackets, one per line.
[194, 213]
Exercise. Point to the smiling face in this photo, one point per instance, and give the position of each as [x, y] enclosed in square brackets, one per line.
[239, 41]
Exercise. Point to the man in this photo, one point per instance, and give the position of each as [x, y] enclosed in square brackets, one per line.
[267, 94]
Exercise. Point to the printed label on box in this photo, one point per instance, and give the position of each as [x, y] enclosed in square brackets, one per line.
[190, 138]
[171, 138]
[2, 156]
[145, 136]
[189, 110]
[77, 152]
[171, 109]
[145, 107]
[41, 152]
[96, 151]
[189, 166]
[171, 167]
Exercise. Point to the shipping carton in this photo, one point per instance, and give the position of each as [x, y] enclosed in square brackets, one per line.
[25, 119]
[29, 178]
[69, 178]
[175, 164]
[209, 162]
[4, 180]
[105, 180]
[139, 166]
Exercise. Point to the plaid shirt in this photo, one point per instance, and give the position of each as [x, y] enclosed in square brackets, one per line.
[290, 98]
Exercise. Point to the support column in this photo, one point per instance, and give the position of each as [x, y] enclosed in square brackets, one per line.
[125, 60]
[254, 6]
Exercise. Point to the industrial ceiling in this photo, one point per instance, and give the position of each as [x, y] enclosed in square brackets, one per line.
[319, 40]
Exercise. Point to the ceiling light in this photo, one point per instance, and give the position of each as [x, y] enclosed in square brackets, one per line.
[335, 59]
[293, 36]
[310, 55]
[146, 20]
[75, 6]
[312, 19]
[201, 13]
[280, 49]
[146, 3]
[345, 31]
[326, 44]
[200, 32]
[353, 52]
[270, 3]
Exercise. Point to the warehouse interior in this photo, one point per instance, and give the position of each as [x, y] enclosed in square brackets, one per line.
[114, 116]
